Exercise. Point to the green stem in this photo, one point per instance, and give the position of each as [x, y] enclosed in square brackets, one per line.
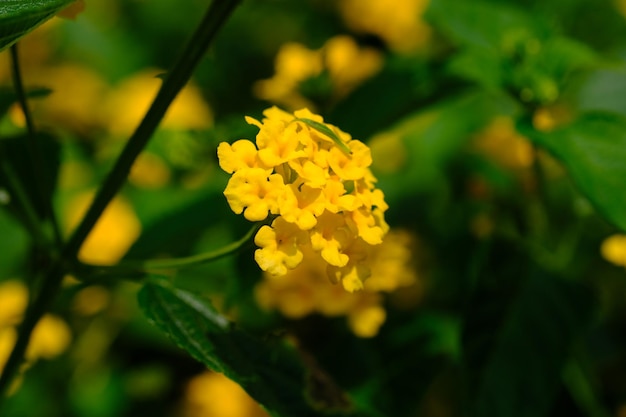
[135, 270]
[173, 83]
[38, 163]
[175, 80]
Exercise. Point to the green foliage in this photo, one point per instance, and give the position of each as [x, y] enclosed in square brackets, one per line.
[499, 142]
[271, 374]
[19, 17]
[593, 148]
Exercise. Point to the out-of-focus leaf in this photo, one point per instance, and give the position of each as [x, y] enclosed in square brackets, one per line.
[13, 245]
[523, 372]
[560, 55]
[479, 65]
[361, 117]
[272, 375]
[16, 152]
[19, 17]
[479, 24]
[593, 149]
[433, 137]
[605, 90]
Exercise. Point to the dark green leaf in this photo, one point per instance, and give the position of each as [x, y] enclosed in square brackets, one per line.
[480, 24]
[523, 373]
[433, 137]
[272, 375]
[15, 151]
[479, 65]
[593, 149]
[19, 17]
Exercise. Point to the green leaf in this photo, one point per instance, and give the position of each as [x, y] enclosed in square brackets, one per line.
[272, 375]
[593, 149]
[479, 65]
[523, 373]
[480, 24]
[16, 152]
[324, 129]
[431, 140]
[19, 17]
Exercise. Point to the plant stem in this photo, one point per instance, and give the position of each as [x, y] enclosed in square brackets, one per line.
[216, 15]
[139, 268]
[38, 162]
[173, 83]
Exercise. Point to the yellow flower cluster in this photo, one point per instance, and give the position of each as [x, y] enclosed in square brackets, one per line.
[346, 63]
[315, 180]
[305, 290]
[400, 25]
[51, 336]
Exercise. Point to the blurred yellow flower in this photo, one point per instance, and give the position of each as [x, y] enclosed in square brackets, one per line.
[34, 51]
[300, 175]
[149, 171]
[13, 299]
[346, 63]
[504, 145]
[51, 335]
[74, 102]
[114, 233]
[71, 11]
[91, 300]
[548, 118]
[213, 395]
[399, 23]
[613, 249]
[127, 103]
[620, 5]
[305, 289]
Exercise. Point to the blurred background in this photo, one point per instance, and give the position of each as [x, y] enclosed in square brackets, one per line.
[498, 280]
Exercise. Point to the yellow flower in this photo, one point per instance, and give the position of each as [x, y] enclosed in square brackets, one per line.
[366, 321]
[300, 171]
[114, 233]
[400, 25]
[71, 11]
[149, 171]
[13, 299]
[50, 337]
[502, 143]
[280, 247]
[254, 191]
[75, 99]
[124, 107]
[213, 395]
[346, 63]
[306, 289]
[613, 249]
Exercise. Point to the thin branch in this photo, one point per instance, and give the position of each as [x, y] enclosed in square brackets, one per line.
[216, 15]
[136, 270]
[38, 162]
